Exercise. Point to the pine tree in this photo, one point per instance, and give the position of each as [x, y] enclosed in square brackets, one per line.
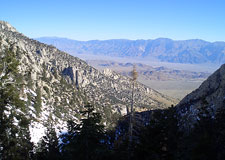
[14, 132]
[30, 83]
[158, 140]
[49, 147]
[38, 102]
[85, 140]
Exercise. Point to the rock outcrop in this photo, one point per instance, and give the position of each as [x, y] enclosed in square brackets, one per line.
[67, 83]
[210, 96]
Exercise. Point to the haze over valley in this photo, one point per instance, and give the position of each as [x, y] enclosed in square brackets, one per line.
[112, 80]
[174, 68]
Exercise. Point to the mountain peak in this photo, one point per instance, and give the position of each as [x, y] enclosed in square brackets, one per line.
[6, 26]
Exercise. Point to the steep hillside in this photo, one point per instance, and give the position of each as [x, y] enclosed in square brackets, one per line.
[56, 85]
[186, 51]
[209, 96]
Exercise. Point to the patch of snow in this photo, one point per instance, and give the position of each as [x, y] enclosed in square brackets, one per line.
[15, 121]
[32, 92]
[23, 99]
[37, 131]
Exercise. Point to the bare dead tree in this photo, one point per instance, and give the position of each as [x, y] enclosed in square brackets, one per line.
[134, 75]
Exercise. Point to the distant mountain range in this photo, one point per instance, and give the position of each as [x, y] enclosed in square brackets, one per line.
[193, 51]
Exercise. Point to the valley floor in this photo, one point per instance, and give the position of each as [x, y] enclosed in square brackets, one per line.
[175, 89]
[175, 86]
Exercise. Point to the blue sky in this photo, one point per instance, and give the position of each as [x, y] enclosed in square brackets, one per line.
[116, 19]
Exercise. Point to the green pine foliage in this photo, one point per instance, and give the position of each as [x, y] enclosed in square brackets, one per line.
[46, 90]
[44, 73]
[38, 102]
[158, 140]
[30, 83]
[14, 122]
[48, 147]
[85, 140]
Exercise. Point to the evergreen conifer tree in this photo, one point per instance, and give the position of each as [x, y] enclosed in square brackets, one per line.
[48, 146]
[85, 140]
[14, 123]
[38, 102]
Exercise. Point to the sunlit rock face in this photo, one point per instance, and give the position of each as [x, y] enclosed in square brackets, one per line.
[68, 83]
[209, 96]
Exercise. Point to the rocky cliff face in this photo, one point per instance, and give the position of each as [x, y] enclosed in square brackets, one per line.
[65, 83]
[210, 96]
